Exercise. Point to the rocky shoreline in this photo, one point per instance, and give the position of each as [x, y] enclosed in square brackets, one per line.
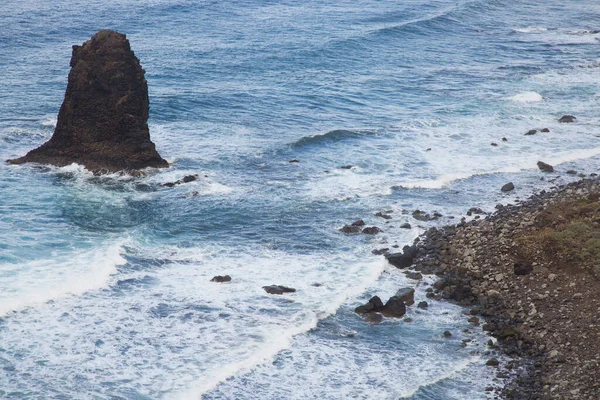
[530, 274]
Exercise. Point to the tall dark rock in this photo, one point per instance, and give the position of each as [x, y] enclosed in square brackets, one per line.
[102, 123]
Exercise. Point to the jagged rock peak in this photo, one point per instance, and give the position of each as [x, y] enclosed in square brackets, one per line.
[103, 121]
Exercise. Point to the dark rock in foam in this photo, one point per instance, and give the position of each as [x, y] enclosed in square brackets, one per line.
[102, 123]
[374, 305]
[508, 187]
[394, 308]
[567, 119]
[278, 289]
[545, 167]
[221, 278]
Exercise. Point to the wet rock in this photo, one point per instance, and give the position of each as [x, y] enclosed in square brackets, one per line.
[278, 289]
[522, 268]
[567, 119]
[474, 320]
[406, 226]
[400, 260]
[221, 278]
[494, 144]
[545, 167]
[531, 132]
[447, 334]
[407, 295]
[382, 215]
[359, 222]
[346, 167]
[492, 362]
[185, 179]
[351, 229]
[414, 275]
[545, 130]
[373, 318]
[371, 230]
[295, 160]
[423, 305]
[572, 172]
[374, 304]
[475, 210]
[508, 187]
[504, 139]
[421, 216]
[440, 284]
[379, 252]
[103, 121]
[394, 308]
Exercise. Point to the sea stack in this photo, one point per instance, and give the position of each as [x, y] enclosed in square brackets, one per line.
[103, 121]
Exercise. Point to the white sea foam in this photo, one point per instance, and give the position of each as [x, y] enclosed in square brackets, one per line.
[387, 361]
[50, 121]
[531, 29]
[170, 315]
[73, 273]
[527, 97]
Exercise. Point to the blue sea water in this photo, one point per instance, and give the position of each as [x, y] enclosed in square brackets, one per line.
[105, 288]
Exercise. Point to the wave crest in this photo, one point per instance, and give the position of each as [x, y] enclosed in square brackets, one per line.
[336, 135]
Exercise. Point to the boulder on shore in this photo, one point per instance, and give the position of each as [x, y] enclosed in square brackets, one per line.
[103, 121]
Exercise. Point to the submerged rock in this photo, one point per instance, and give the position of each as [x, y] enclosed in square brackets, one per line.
[371, 230]
[379, 252]
[102, 123]
[185, 179]
[422, 216]
[351, 229]
[414, 275]
[383, 215]
[373, 317]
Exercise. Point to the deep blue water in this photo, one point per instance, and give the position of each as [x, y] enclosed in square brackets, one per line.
[105, 288]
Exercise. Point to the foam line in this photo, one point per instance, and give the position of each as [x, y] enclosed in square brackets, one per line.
[42, 280]
[282, 340]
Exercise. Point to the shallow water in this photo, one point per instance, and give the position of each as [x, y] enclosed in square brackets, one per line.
[105, 285]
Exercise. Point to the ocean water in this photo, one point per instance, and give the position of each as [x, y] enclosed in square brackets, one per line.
[105, 288]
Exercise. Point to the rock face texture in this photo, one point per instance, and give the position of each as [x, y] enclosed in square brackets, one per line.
[102, 123]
